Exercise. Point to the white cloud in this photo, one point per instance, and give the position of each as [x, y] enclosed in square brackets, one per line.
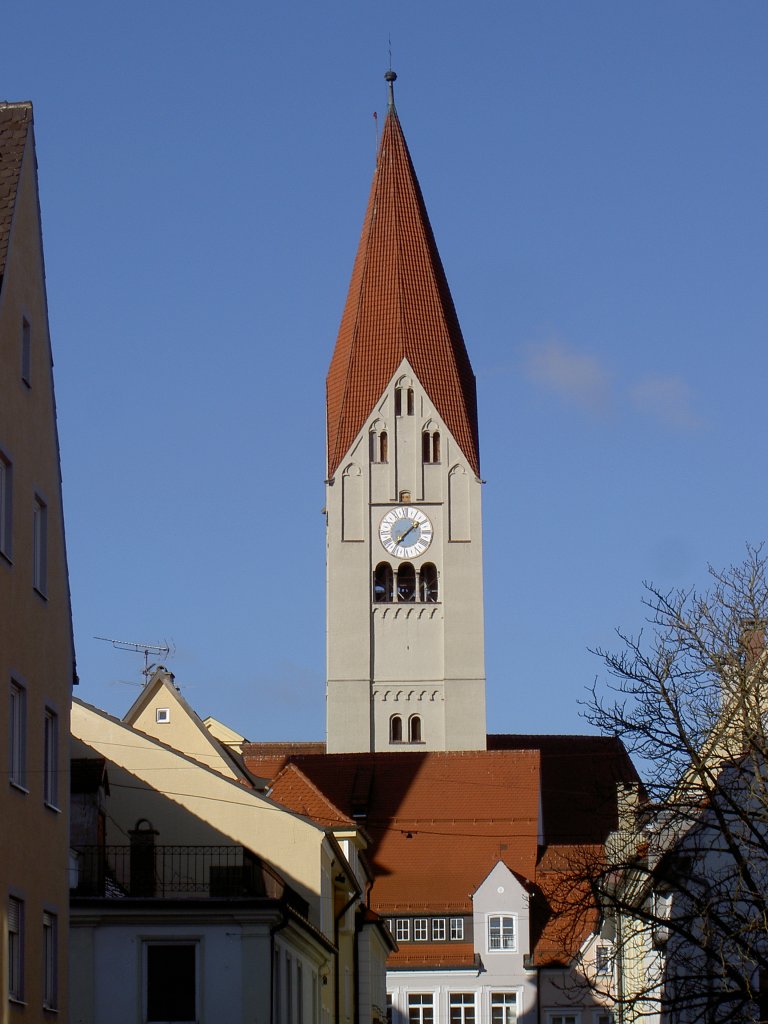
[666, 399]
[580, 377]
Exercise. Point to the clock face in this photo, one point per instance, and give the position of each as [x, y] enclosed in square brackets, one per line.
[405, 532]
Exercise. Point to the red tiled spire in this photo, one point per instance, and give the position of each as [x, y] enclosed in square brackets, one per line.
[398, 306]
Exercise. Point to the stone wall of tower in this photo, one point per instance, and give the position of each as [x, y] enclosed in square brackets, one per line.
[388, 656]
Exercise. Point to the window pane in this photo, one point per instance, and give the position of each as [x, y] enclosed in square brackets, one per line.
[40, 545]
[462, 1008]
[503, 1008]
[457, 929]
[15, 948]
[421, 1008]
[421, 929]
[50, 957]
[17, 753]
[171, 983]
[50, 753]
[438, 929]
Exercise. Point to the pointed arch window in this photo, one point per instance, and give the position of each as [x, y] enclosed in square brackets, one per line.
[382, 583]
[395, 729]
[430, 446]
[406, 582]
[428, 583]
[414, 729]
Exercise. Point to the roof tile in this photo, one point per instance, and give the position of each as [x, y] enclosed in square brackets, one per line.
[398, 307]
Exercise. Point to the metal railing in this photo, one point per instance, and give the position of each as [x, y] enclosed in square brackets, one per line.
[147, 870]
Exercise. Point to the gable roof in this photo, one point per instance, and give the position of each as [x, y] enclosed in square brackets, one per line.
[15, 120]
[398, 307]
[211, 751]
[292, 789]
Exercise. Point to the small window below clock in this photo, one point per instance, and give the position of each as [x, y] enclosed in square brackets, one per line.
[163, 716]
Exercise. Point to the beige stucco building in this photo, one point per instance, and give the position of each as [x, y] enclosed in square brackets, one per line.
[37, 666]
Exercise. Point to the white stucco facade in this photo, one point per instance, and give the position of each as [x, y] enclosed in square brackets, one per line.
[405, 629]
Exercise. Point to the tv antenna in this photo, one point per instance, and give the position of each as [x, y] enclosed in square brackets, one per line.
[164, 649]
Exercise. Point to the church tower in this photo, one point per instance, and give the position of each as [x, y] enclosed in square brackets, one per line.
[404, 536]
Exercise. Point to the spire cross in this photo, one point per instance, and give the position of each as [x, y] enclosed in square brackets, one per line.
[391, 78]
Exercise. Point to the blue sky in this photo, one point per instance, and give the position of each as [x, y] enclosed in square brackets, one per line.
[595, 174]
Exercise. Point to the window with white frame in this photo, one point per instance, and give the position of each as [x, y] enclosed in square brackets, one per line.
[403, 929]
[603, 960]
[6, 506]
[15, 949]
[420, 929]
[503, 1007]
[17, 736]
[457, 929]
[51, 758]
[563, 1018]
[50, 961]
[461, 1008]
[421, 1008]
[438, 929]
[502, 934]
[170, 990]
[40, 545]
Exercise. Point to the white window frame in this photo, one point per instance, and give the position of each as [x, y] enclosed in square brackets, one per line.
[463, 1006]
[403, 929]
[603, 960]
[51, 759]
[421, 1006]
[563, 1017]
[497, 1004]
[40, 545]
[185, 941]
[439, 929]
[50, 961]
[17, 736]
[420, 929]
[457, 929]
[15, 949]
[163, 716]
[6, 506]
[503, 919]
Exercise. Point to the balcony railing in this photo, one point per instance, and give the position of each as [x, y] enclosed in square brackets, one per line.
[146, 870]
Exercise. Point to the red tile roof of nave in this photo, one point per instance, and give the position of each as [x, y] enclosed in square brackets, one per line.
[432, 955]
[437, 821]
[292, 789]
[579, 776]
[398, 306]
[15, 119]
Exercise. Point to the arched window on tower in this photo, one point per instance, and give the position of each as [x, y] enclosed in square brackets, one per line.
[395, 729]
[430, 446]
[414, 729]
[428, 583]
[398, 401]
[410, 401]
[406, 582]
[379, 446]
[382, 583]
